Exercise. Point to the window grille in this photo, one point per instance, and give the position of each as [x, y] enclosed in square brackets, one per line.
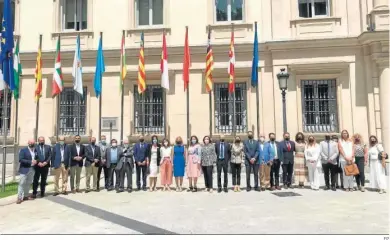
[8, 111]
[70, 119]
[223, 108]
[151, 120]
[319, 106]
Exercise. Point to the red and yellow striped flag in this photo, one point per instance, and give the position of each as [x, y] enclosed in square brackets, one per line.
[123, 70]
[141, 67]
[38, 74]
[209, 65]
[232, 61]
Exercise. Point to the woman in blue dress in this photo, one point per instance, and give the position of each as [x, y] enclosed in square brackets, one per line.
[179, 154]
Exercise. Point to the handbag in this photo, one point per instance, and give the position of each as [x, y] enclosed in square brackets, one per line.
[351, 170]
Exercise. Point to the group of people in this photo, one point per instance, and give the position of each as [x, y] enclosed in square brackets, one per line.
[299, 160]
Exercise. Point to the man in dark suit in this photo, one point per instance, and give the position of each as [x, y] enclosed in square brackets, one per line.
[92, 159]
[42, 167]
[141, 161]
[102, 163]
[113, 155]
[222, 149]
[77, 154]
[251, 150]
[28, 160]
[125, 167]
[286, 156]
[60, 161]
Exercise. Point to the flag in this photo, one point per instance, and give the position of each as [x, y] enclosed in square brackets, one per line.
[141, 67]
[186, 62]
[100, 69]
[77, 71]
[58, 82]
[38, 74]
[17, 71]
[7, 45]
[164, 65]
[1, 81]
[209, 65]
[123, 70]
[232, 61]
[255, 60]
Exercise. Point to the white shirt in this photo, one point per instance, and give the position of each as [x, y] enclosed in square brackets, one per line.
[275, 150]
[165, 153]
[78, 149]
[62, 153]
[374, 151]
[32, 152]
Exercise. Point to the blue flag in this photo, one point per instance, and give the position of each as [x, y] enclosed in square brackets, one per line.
[255, 60]
[7, 45]
[100, 69]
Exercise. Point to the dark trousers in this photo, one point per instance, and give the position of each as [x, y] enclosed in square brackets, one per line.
[127, 170]
[360, 177]
[287, 173]
[275, 168]
[105, 171]
[255, 169]
[222, 165]
[236, 173]
[111, 172]
[339, 173]
[139, 170]
[331, 169]
[208, 176]
[40, 173]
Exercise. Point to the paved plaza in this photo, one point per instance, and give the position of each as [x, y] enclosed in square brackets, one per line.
[314, 212]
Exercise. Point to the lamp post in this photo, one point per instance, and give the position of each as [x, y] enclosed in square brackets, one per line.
[283, 78]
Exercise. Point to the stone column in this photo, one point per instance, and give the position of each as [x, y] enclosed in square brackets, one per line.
[384, 97]
[380, 3]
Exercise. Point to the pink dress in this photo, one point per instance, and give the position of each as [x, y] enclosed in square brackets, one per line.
[193, 161]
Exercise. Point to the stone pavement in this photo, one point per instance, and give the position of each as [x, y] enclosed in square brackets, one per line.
[314, 212]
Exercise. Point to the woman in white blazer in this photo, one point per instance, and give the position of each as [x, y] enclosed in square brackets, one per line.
[313, 162]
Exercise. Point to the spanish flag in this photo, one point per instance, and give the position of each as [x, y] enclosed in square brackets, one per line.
[123, 70]
[38, 73]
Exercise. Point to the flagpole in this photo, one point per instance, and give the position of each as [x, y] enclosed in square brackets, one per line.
[100, 97]
[16, 120]
[257, 96]
[188, 106]
[58, 98]
[37, 104]
[123, 90]
[79, 102]
[165, 103]
[234, 97]
[5, 121]
[210, 101]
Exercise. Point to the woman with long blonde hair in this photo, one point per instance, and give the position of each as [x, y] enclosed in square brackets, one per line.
[312, 156]
[347, 156]
[361, 159]
[179, 163]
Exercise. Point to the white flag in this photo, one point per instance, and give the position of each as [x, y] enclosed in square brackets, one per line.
[77, 71]
[1, 80]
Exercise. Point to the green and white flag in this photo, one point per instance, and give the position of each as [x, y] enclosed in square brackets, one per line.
[17, 70]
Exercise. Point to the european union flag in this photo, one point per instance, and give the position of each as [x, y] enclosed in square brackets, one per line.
[100, 69]
[255, 60]
[7, 45]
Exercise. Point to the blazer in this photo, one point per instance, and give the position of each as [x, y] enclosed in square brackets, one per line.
[140, 154]
[91, 155]
[251, 151]
[269, 151]
[108, 156]
[45, 155]
[285, 155]
[56, 156]
[226, 150]
[158, 153]
[25, 160]
[73, 154]
[261, 153]
[329, 154]
[128, 157]
[103, 149]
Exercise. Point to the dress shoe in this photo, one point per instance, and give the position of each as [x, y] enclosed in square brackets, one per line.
[326, 188]
[225, 190]
[263, 189]
[248, 189]
[219, 190]
[285, 186]
[272, 189]
[195, 189]
[74, 191]
[87, 191]
[78, 190]
[333, 189]
[56, 194]
[290, 186]
[138, 188]
[25, 198]
[19, 201]
[33, 196]
[65, 193]
[279, 188]
[257, 189]
[129, 190]
[144, 188]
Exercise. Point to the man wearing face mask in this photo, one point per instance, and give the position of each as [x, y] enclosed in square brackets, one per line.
[92, 159]
[286, 155]
[141, 160]
[60, 162]
[113, 155]
[27, 160]
[329, 153]
[264, 172]
[77, 154]
[272, 162]
[251, 150]
[42, 167]
[102, 163]
[125, 167]
[222, 149]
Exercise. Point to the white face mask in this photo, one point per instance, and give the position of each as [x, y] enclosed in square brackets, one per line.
[165, 144]
[262, 139]
[206, 141]
[113, 144]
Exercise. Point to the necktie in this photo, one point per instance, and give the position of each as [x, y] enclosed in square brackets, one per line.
[142, 145]
[288, 146]
[43, 152]
[222, 152]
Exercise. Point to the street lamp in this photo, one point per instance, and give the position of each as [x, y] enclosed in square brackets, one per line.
[282, 78]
